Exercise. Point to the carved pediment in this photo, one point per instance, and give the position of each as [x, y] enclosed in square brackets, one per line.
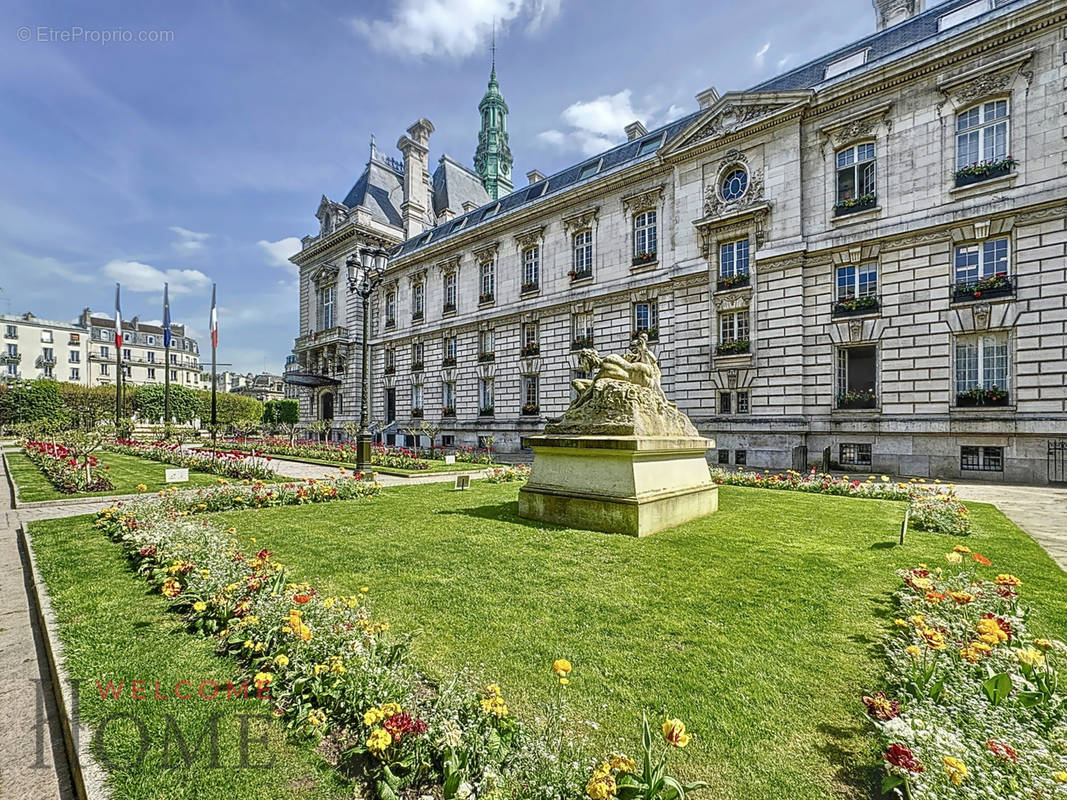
[417, 277]
[449, 265]
[530, 237]
[858, 126]
[325, 275]
[734, 301]
[735, 112]
[486, 253]
[984, 81]
[581, 220]
[642, 201]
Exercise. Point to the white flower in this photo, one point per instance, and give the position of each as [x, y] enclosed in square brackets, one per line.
[465, 791]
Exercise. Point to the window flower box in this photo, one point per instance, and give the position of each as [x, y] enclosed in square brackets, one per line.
[484, 358]
[575, 275]
[416, 366]
[652, 333]
[531, 350]
[389, 369]
[531, 286]
[416, 316]
[448, 411]
[644, 258]
[448, 308]
[984, 170]
[732, 282]
[999, 285]
[416, 413]
[485, 411]
[732, 347]
[865, 398]
[390, 323]
[448, 361]
[852, 306]
[982, 397]
[853, 205]
[581, 342]
[486, 297]
[530, 409]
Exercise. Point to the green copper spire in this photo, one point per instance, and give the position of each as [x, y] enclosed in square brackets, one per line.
[492, 159]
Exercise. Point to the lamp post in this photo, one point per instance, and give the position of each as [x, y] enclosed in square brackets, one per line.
[364, 276]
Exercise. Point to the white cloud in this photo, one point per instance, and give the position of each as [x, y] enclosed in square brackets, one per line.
[137, 277]
[278, 253]
[188, 241]
[599, 124]
[451, 28]
[760, 54]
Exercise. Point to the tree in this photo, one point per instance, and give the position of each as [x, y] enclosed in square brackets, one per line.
[287, 416]
[431, 429]
[351, 429]
[29, 401]
[230, 408]
[88, 406]
[81, 445]
[318, 427]
[150, 403]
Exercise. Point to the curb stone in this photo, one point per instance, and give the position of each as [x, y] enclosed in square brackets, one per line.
[90, 780]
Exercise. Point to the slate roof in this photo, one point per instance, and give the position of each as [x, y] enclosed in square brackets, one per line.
[380, 189]
[454, 185]
[884, 45]
[611, 160]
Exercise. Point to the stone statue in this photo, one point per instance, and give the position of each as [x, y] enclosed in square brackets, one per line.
[623, 398]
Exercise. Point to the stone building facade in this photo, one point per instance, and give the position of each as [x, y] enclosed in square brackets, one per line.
[866, 254]
[143, 354]
[42, 348]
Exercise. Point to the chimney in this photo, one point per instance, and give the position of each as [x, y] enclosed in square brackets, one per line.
[708, 97]
[888, 13]
[635, 130]
[534, 176]
[416, 149]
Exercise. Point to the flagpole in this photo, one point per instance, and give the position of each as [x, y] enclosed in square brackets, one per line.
[214, 380]
[118, 360]
[166, 357]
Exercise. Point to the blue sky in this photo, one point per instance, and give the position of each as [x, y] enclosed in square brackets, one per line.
[202, 158]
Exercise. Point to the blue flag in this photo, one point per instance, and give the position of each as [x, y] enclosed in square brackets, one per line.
[166, 316]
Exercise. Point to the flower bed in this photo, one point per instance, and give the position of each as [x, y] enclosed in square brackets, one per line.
[935, 507]
[237, 464]
[518, 472]
[229, 497]
[64, 471]
[972, 706]
[335, 674]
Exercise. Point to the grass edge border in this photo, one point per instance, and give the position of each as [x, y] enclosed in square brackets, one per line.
[88, 777]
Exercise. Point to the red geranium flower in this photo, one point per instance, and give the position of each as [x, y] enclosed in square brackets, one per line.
[1002, 751]
[900, 756]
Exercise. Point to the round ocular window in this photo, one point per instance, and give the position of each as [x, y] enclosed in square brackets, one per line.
[734, 184]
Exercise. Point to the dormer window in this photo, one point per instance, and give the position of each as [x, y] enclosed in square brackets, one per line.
[650, 145]
[842, 65]
[590, 169]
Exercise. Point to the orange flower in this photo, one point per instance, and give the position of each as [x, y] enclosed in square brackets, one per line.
[935, 597]
[1005, 579]
[985, 562]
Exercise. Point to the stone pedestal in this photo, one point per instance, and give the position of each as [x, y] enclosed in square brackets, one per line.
[634, 485]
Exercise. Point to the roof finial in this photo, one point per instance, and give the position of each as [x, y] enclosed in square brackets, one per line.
[373, 147]
[493, 48]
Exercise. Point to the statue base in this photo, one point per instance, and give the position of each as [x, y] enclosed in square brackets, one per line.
[635, 485]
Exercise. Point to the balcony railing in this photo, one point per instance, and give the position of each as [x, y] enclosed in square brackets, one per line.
[335, 335]
[1000, 285]
[484, 358]
[732, 282]
[530, 409]
[846, 207]
[45, 361]
[984, 171]
[486, 297]
[859, 399]
[856, 306]
[11, 358]
[416, 316]
[733, 347]
[978, 397]
[448, 361]
[530, 350]
[416, 366]
[582, 342]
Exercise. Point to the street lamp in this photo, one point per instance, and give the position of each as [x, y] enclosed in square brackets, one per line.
[364, 277]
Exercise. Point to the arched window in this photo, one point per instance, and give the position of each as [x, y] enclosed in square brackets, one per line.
[645, 234]
[734, 183]
[982, 134]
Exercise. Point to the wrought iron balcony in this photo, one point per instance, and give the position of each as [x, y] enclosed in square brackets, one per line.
[11, 358]
[45, 361]
[335, 335]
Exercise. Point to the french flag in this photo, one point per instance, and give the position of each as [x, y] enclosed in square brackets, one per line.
[118, 320]
[214, 320]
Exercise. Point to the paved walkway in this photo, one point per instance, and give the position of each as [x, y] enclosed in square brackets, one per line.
[1039, 510]
[33, 763]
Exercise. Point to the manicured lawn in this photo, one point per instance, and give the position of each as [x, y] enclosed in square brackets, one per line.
[126, 472]
[435, 466]
[114, 630]
[759, 626]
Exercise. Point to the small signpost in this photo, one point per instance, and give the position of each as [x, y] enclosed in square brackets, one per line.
[463, 481]
[904, 524]
[177, 475]
[450, 459]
